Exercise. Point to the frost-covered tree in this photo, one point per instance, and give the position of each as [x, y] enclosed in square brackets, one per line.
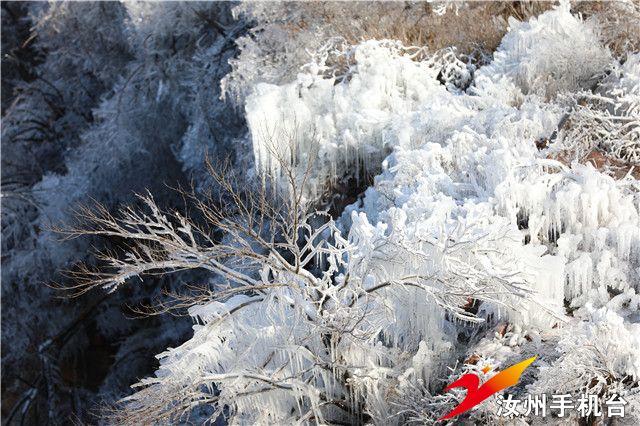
[605, 121]
[307, 323]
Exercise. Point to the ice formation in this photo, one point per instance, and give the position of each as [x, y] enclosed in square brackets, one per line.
[464, 197]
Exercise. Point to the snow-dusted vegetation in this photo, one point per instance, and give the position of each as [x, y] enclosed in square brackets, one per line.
[352, 203]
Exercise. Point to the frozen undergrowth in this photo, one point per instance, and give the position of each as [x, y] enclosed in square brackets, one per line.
[465, 198]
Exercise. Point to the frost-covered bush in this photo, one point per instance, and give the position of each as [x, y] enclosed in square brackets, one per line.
[309, 324]
[617, 24]
[552, 53]
[597, 355]
[348, 121]
[606, 120]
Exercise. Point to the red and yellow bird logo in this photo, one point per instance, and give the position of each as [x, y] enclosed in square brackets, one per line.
[476, 393]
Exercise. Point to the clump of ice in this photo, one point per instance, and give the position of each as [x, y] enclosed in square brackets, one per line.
[343, 127]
